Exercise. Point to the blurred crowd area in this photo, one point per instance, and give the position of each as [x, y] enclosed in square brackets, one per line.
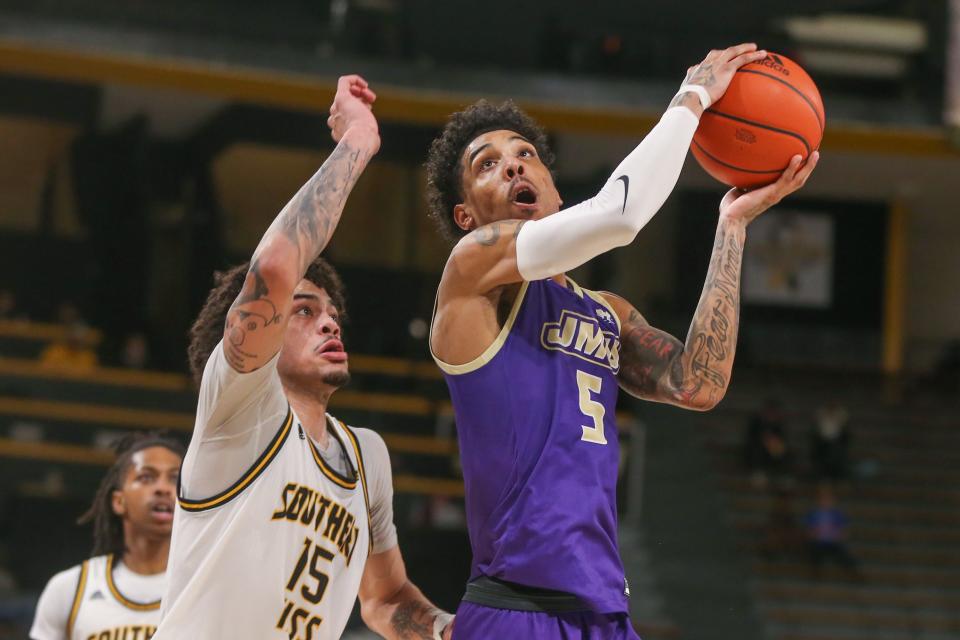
[880, 48]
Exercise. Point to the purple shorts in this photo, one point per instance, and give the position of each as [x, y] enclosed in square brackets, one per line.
[477, 622]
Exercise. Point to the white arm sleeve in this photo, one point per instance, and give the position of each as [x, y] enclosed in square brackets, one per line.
[612, 218]
[53, 608]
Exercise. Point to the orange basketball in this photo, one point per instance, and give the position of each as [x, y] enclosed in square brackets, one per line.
[771, 112]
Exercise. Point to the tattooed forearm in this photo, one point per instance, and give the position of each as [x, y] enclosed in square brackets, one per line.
[414, 620]
[656, 366]
[252, 311]
[310, 218]
[712, 339]
[646, 356]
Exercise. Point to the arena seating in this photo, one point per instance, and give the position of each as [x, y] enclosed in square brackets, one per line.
[903, 505]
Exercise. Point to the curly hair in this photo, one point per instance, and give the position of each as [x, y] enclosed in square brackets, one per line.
[207, 330]
[107, 525]
[444, 170]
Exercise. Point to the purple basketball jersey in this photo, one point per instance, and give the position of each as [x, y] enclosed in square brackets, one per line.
[538, 441]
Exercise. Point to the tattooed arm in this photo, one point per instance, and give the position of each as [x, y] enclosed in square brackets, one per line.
[255, 323]
[545, 242]
[656, 366]
[393, 606]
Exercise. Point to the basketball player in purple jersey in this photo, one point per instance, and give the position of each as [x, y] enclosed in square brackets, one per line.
[533, 361]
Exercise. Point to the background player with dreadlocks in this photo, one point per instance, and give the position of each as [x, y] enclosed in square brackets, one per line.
[117, 591]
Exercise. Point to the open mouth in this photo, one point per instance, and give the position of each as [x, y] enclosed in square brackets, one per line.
[332, 350]
[523, 195]
[162, 511]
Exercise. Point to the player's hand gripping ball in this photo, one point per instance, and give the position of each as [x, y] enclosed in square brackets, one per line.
[771, 112]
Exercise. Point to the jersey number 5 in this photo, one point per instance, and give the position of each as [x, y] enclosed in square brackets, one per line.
[587, 384]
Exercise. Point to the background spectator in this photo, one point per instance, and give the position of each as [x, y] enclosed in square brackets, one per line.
[136, 352]
[830, 443]
[767, 453]
[72, 352]
[827, 526]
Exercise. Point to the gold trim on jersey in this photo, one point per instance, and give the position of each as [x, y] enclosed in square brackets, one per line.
[78, 596]
[247, 478]
[327, 470]
[363, 480]
[122, 599]
[493, 349]
[573, 286]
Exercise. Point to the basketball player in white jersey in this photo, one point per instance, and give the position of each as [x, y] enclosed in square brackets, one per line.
[116, 593]
[285, 513]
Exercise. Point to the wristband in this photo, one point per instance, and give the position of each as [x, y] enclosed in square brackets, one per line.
[701, 92]
[440, 623]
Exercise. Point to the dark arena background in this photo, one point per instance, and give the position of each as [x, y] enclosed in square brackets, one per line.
[144, 145]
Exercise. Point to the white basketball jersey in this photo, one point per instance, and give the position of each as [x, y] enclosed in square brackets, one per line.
[279, 554]
[101, 612]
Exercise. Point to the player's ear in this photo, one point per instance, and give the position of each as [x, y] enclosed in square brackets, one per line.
[118, 503]
[463, 218]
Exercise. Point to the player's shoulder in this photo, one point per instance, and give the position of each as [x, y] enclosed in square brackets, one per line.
[66, 580]
[373, 452]
[371, 442]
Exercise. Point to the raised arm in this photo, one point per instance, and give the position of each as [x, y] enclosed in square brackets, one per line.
[255, 323]
[510, 251]
[655, 365]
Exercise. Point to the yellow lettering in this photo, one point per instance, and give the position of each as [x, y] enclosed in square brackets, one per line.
[323, 502]
[589, 338]
[344, 538]
[307, 514]
[281, 512]
[313, 624]
[562, 339]
[334, 522]
[299, 614]
[297, 503]
[614, 354]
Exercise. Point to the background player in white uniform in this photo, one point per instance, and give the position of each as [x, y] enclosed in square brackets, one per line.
[117, 592]
[285, 514]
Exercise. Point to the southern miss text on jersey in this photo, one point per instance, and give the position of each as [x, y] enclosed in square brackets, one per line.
[280, 553]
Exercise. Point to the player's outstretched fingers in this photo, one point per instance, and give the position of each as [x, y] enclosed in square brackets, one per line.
[791, 171]
[738, 50]
[804, 173]
[747, 58]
